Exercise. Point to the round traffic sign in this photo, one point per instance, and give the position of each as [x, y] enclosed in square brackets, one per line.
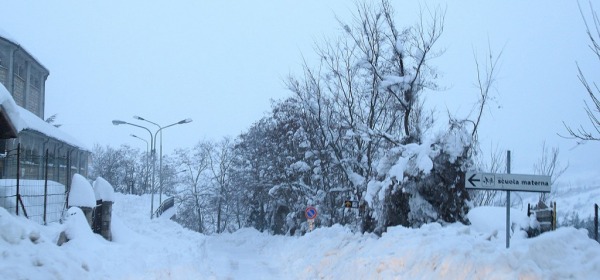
[310, 212]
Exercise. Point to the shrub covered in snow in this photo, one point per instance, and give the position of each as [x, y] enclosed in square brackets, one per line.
[420, 183]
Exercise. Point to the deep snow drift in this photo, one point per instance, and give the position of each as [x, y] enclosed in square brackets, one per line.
[161, 249]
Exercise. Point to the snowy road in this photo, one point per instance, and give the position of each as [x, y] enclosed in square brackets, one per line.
[176, 253]
[161, 249]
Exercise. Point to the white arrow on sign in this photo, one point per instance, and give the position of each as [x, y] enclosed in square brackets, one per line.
[508, 182]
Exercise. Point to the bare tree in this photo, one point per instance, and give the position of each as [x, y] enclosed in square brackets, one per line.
[496, 164]
[485, 83]
[582, 134]
[220, 159]
[486, 79]
[549, 165]
[122, 167]
[192, 196]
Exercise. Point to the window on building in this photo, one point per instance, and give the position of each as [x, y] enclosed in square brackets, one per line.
[20, 69]
[35, 79]
[3, 70]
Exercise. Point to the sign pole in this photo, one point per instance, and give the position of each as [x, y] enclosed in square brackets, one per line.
[507, 219]
[508, 202]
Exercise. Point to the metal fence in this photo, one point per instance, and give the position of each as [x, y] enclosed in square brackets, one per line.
[164, 206]
[34, 186]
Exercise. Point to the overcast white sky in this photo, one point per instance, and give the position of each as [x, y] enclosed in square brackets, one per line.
[221, 62]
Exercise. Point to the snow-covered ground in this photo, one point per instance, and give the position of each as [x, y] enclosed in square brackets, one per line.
[161, 249]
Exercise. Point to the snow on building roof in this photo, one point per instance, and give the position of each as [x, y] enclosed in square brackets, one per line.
[9, 107]
[6, 36]
[25, 120]
[33, 122]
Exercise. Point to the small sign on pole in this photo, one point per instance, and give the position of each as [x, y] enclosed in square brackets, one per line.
[311, 214]
[351, 204]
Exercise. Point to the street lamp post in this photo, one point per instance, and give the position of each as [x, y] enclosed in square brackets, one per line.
[147, 160]
[152, 145]
[161, 141]
[159, 156]
[160, 164]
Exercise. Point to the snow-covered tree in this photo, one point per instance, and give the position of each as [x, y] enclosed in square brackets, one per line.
[207, 193]
[193, 194]
[124, 167]
[355, 129]
[255, 164]
[363, 99]
[220, 159]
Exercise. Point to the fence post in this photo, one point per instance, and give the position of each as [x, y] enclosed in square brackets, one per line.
[596, 221]
[554, 217]
[97, 217]
[45, 186]
[69, 175]
[69, 180]
[18, 179]
[105, 225]
[67, 187]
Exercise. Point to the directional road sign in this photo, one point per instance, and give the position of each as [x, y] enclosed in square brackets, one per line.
[507, 182]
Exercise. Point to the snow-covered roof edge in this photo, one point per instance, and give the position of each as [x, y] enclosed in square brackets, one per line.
[25, 120]
[8, 37]
[32, 122]
[10, 108]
